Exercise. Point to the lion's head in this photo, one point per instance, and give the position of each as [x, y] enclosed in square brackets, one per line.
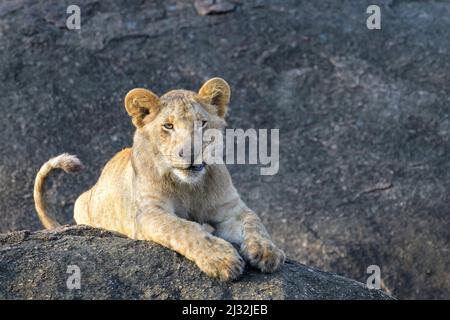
[170, 127]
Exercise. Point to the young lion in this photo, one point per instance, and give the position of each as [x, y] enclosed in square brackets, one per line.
[156, 191]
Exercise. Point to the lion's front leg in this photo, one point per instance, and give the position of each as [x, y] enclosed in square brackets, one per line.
[214, 256]
[242, 226]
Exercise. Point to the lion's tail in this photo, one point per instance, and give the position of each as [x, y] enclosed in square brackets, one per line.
[65, 161]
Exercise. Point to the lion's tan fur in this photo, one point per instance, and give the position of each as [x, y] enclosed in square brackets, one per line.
[145, 192]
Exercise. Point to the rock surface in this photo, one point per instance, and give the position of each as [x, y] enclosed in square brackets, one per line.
[205, 7]
[34, 266]
[363, 116]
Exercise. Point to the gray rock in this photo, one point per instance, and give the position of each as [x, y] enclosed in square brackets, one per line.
[33, 265]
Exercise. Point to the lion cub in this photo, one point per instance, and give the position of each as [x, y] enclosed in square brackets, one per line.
[156, 191]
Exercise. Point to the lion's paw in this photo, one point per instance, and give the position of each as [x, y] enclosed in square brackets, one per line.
[262, 253]
[221, 261]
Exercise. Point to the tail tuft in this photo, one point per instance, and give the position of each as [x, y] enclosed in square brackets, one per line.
[67, 162]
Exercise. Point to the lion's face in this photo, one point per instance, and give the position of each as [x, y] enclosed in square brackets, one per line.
[177, 132]
[173, 125]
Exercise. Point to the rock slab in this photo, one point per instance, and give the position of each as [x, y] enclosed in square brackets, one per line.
[34, 265]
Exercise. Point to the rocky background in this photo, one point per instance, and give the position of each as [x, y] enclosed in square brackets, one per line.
[363, 116]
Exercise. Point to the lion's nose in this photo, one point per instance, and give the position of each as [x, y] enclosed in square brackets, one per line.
[183, 154]
[190, 155]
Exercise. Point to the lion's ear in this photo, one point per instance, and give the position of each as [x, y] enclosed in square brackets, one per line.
[217, 92]
[139, 103]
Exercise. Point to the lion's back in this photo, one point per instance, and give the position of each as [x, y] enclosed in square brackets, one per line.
[108, 202]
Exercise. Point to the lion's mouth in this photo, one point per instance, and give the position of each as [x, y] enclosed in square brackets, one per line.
[193, 167]
[198, 167]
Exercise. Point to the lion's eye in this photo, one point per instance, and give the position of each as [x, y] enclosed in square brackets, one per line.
[204, 123]
[168, 126]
